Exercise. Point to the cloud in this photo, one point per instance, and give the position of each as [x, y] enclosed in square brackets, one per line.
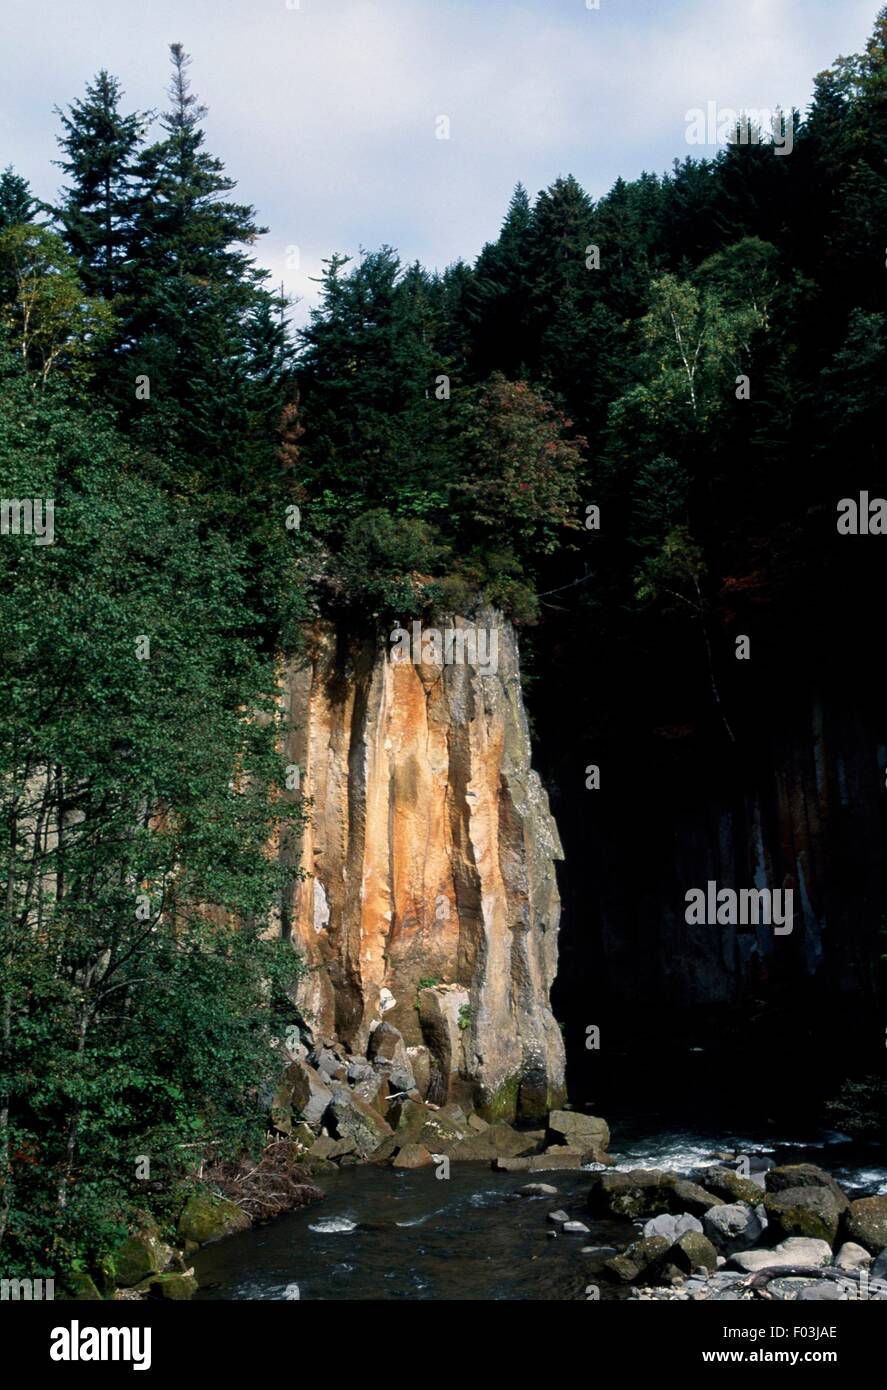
[326, 113]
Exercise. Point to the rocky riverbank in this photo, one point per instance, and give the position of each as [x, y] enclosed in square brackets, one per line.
[785, 1232]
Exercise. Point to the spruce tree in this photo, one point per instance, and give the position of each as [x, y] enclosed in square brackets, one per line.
[100, 144]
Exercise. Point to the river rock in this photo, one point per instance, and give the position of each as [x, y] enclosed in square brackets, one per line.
[586, 1134]
[733, 1226]
[672, 1226]
[142, 1253]
[795, 1251]
[852, 1256]
[791, 1175]
[641, 1192]
[557, 1218]
[804, 1211]
[495, 1140]
[537, 1189]
[352, 1118]
[865, 1223]
[641, 1258]
[207, 1218]
[689, 1196]
[729, 1185]
[692, 1251]
[413, 1156]
[574, 1228]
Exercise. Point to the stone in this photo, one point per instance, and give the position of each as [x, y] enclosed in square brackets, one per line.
[310, 1095]
[476, 1123]
[692, 1251]
[352, 1118]
[671, 1226]
[412, 1156]
[207, 1218]
[852, 1256]
[558, 1217]
[175, 1287]
[733, 1226]
[796, 1251]
[879, 1268]
[575, 1228]
[430, 855]
[419, 1059]
[819, 1291]
[81, 1287]
[865, 1223]
[537, 1189]
[387, 1052]
[640, 1258]
[729, 1185]
[690, 1197]
[587, 1134]
[804, 1211]
[791, 1175]
[494, 1141]
[641, 1192]
[330, 1066]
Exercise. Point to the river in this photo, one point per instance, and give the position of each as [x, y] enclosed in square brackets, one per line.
[386, 1234]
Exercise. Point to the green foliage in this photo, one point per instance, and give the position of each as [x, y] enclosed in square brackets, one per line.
[860, 1107]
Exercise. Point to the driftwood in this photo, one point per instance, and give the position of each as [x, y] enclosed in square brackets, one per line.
[269, 1187]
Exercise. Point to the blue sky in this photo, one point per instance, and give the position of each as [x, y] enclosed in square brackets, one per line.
[326, 112]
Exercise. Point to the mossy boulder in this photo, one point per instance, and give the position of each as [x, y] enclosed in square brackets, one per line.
[178, 1288]
[729, 1185]
[865, 1223]
[588, 1134]
[642, 1192]
[142, 1253]
[207, 1218]
[497, 1140]
[813, 1212]
[642, 1258]
[691, 1251]
[690, 1197]
[791, 1175]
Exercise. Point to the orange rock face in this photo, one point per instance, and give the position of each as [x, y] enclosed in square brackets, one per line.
[431, 855]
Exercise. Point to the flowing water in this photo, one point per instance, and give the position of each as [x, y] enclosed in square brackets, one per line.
[386, 1234]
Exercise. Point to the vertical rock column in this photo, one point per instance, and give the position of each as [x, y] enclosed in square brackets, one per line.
[431, 854]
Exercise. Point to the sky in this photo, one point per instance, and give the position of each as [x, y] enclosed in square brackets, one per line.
[327, 112]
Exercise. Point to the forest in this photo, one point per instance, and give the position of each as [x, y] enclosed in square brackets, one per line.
[628, 425]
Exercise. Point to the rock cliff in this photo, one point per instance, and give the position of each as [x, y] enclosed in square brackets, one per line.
[431, 898]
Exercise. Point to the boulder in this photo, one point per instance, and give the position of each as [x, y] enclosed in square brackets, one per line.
[413, 1156]
[175, 1287]
[557, 1218]
[351, 1117]
[796, 1252]
[82, 1287]
[690, 1197]
[207, 1218]
[587, 1134]
[537, 1189]
[852, 1256]
[329, 1063]
[642, 1192]
[671, 1226]
[804, 1211]
[387, 1052]
[865, 1223]
[729, 1185]
[733, 1226]
[419, 1059]
[790, 1175]
[692, 1251]
[497, 1140]
[574, 1228]
[441, 1010]
[408, 1119]
[310, 1095]
[642, 1257]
